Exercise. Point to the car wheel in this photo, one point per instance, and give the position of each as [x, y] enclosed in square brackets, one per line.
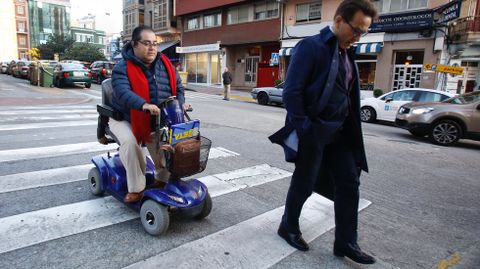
[95, 182]
[154, 217]
[445, 132]
[368, 114]
[99, 80]
[207, 208]
[88, 85]
[262, 98]
[417, 133]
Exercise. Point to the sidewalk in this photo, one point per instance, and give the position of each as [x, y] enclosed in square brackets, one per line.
[235, 93]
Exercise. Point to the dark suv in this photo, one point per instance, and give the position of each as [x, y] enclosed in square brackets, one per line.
[101, 70]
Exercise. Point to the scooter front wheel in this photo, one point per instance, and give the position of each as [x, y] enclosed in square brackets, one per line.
[207, 208]
[95, 182]
[155, 218]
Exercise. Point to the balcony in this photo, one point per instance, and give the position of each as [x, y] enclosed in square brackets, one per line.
[465, 30]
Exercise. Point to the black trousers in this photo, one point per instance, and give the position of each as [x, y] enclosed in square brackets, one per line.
[334, 161]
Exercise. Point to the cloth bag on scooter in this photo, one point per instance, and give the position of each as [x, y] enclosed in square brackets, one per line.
[186, 158]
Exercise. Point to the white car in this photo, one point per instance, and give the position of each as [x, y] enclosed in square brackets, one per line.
[386, 106]
[266, 95]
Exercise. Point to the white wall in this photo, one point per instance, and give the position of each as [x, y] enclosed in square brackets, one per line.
[8, 46]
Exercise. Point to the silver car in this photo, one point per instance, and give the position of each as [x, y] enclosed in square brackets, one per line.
[446, 122]
[266, 95]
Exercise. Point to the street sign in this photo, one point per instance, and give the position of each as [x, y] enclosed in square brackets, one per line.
[444, 68]
[274, 59]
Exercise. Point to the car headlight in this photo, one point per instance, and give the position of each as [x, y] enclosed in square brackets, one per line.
[176, 198]
[422, 110]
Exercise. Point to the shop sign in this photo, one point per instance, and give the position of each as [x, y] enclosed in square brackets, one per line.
[403, 22]
[199, 48]
[444, 68]
[449, 12]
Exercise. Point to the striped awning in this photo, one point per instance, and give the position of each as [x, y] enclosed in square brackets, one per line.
[369, 48]
[284, 52]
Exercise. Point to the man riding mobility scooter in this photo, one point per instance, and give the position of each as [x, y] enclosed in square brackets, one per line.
[186, 154]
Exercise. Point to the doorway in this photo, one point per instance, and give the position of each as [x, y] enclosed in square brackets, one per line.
[251, 67]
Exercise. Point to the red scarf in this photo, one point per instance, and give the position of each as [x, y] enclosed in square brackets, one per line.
[140, 120]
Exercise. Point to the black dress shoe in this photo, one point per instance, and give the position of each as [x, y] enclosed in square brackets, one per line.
[353, 252]
[294, 240]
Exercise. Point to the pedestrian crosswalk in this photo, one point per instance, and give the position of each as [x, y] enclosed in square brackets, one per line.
[96, 231]
[97, 95]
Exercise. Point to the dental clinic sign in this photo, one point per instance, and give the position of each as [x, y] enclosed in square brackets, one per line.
[405, 22]
[417, 20]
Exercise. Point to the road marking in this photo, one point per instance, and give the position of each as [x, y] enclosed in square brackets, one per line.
[53, 151]
[445, 263]
[250, 244]
[47, 111]
[58, 117]
[42, 125]
[43, 225]
[55, 176]
[221, 152]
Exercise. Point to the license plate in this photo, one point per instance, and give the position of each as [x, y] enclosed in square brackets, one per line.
[78, 74]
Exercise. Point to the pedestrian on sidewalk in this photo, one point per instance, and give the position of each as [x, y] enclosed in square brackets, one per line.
[227, 80]
[323, 134]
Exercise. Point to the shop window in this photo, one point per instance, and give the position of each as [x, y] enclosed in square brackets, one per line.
[212, 20]
[409, 57]
[309, 12]
[366, 71]
[193, 23]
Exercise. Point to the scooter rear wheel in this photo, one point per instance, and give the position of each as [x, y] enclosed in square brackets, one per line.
[95, 182]
[155, 218]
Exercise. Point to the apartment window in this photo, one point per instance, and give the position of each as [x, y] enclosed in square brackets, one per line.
[21, 26]
[309, 12]
[387, 6]
[160, 15]
[237, 14]
[212, 20]
[193, 23]
[22, 41]
[265, 10]
[20, 10]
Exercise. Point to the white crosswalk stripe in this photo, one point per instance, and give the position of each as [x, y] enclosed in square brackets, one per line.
[240, 245]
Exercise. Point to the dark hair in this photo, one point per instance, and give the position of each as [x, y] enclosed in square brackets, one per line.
[137, 32]
[348, 8]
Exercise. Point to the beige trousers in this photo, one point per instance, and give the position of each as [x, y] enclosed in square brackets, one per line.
[133, 157]
[226, 91]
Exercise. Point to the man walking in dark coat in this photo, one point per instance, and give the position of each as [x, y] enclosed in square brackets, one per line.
[322, 134]
[227, 81]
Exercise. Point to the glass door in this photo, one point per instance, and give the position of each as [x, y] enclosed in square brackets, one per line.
[251, 65]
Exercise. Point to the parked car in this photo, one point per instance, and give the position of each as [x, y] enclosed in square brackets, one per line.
[70, 74]
[20, 69]
[4, 67]
[446, 122]
[266, 95]
[385, 107]
[101, 70]
[11, 65]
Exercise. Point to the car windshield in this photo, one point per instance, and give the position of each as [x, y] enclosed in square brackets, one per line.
[464, 99]
[280, 85]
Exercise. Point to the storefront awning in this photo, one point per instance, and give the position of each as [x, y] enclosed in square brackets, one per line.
[165, 45]
[369, 48]
[285, 52]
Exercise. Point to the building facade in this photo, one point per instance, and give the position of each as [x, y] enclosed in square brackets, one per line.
[21, 23]
[407, 35]
[464, 48]
[240, 35]
[8, 50]
[96, 38]
[48, 17]
[133, 16]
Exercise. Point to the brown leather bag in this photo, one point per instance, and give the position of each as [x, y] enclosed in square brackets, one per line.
[186, 158]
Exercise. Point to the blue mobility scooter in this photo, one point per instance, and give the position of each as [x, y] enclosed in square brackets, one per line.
[187, 197]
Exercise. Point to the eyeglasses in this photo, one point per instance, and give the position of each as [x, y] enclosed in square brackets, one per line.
[147, 43]
[357, 31]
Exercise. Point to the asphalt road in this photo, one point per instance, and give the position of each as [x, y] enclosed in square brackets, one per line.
[421, 201]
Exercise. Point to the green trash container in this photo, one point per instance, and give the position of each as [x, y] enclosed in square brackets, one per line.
[46, 80]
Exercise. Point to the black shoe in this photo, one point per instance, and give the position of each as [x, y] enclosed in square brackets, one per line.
[294, 240]
[353, 252]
